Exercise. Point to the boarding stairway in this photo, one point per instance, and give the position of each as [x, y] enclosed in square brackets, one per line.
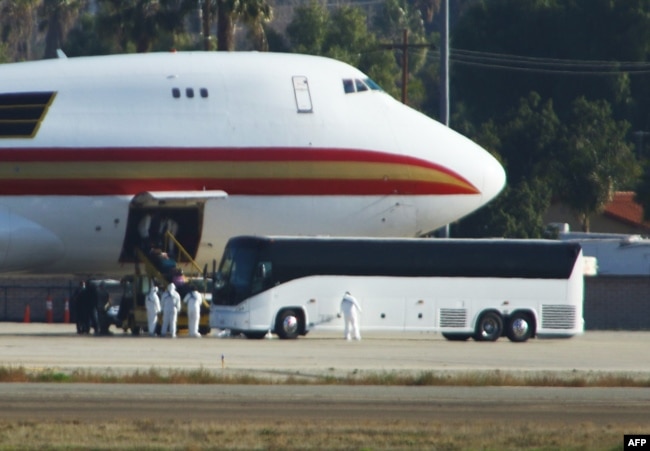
[164, 275]
[149, 272]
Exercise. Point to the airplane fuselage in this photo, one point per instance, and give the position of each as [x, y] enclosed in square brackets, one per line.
[226, 144]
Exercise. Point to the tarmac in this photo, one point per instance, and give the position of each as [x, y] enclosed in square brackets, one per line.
[37, 346]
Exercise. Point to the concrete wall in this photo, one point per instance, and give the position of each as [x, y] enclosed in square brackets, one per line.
[617, 303]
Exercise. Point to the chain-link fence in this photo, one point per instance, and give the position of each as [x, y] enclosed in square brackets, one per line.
[22, 299]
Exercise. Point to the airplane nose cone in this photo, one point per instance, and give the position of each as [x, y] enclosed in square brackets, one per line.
[494, 178]
[472, 162]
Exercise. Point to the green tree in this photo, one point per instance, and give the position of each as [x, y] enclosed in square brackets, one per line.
[342, 35]
[563, 36]
[252, 13]
[516, 213]
[347, 35]
[642, 191]
[17, 19]
[4, 57]
[141, 25]
[308, 28]
[528, 139]
[390, 21]
[83, 39]
[58, 17]
[524, 144]
[596, 159]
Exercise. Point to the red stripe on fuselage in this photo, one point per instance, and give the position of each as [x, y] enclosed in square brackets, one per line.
[244, 154]
[274, 187]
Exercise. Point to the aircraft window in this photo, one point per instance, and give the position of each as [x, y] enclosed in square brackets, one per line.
[372, 84]
[176, 93]
[348, 86]
[189, 92]
[204, 92]
[360, 85]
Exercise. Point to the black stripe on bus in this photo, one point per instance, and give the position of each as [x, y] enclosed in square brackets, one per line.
[527, 259]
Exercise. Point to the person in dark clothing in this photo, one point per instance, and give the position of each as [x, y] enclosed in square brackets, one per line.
[75, 306]
[102, 305]
[88, 308]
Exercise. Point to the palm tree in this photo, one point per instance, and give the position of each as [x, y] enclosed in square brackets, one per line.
[253, 13]
[142, 23]
[17, 25]
[58, 17]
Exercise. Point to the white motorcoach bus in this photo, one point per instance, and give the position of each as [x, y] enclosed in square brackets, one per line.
[482, 289]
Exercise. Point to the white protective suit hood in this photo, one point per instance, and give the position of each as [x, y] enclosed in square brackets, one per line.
[171, 287]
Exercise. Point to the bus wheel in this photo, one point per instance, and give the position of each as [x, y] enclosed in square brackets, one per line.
[204, 330]
[255, 335]
[520, 327]
[288, 325]
[456, 337]
[489, 327]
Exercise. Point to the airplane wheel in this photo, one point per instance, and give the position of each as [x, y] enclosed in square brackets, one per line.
[489, 327]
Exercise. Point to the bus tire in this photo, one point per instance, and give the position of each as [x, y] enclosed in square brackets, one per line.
[455, 336]
[288, 324]
[519, 327]
[489, 327]
[204, 330]
[255, 335]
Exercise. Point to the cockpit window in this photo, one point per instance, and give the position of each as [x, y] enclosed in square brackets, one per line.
[360, 85]
[372, 84]
[351, 86]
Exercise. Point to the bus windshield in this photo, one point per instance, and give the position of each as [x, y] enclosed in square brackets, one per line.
[235, 277]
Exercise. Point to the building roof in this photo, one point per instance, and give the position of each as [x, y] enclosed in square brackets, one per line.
[625, 209]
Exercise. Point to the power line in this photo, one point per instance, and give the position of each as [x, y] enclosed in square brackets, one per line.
[501, 61]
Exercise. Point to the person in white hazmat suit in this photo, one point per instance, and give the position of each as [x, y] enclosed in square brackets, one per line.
[351, 309]
[152, 302]
[171, 305]
[193, 299]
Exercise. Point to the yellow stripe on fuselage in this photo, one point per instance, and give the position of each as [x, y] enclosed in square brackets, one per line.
[225, 170]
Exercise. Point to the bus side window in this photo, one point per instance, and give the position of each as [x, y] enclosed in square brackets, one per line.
[261, 276]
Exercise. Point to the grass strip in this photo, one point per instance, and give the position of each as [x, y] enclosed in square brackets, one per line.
[206, 376]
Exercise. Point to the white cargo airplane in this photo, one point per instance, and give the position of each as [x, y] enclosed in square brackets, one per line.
[98, 153]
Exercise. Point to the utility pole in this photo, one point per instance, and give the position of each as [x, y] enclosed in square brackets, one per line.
[444, 64]
[444, 75]
[405, 64]
[404, 47]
